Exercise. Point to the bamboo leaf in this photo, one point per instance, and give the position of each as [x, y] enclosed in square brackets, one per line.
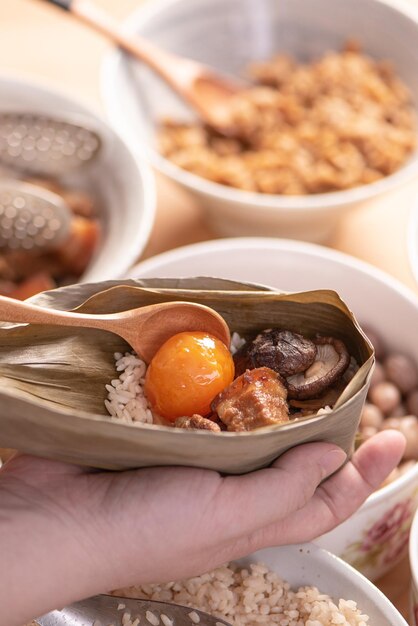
[52, 380]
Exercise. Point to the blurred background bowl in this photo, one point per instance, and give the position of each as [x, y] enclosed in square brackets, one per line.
[306, 564]
[413, 560]
[412, 234]
[228, 34]
[121, 184]
[378, 301]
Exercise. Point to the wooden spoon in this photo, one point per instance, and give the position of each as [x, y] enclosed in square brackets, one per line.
[207, 92]
[145, 328]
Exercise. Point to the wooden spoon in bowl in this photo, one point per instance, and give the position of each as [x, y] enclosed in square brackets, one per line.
[207, 92]
[145, 328]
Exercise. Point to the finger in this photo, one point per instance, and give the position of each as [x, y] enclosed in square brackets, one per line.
[266, 496]
[341, 495]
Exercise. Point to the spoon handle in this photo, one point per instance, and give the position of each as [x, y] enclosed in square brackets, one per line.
[62, 4]
[26, 313]
[176, 71]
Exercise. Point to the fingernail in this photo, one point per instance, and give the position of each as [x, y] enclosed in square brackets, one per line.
[331, 461]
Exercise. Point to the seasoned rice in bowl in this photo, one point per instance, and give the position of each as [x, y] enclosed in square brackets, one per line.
[298, 586]
[334, 123]
[254, 595]
[228, 35]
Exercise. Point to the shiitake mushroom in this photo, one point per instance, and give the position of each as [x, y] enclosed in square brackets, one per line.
[283, 351]
[331, 361]
[308, 367]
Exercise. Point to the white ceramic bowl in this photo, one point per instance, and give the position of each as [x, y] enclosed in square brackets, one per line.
[122, 183]
[413, 239]
[307, 564]
[413, 560]
[375, 537]
[228, 34]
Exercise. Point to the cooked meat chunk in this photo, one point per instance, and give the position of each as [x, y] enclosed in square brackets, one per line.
[196, 422]
[283, 351]
[256, 398]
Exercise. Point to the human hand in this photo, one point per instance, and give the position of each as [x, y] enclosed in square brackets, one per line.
[68, 533]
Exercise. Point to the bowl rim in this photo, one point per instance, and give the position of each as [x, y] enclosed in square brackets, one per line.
[413, 550]
[143, 169]
[288, 245]
[246, 199]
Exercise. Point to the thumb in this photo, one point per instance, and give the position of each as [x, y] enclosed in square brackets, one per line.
[307, 466]
[271, 494]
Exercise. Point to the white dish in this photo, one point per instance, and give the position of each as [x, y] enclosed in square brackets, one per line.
[377, 300]
[123, 183]
[228, 34]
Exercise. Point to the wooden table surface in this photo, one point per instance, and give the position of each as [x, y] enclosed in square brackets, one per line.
[38, 41]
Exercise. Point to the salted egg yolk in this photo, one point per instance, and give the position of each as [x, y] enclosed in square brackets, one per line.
[186, 373]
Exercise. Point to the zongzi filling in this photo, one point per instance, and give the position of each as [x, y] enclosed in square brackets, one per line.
[191, 384]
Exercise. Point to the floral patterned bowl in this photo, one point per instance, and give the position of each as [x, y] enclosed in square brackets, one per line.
[375, 538]
[379, 530]
[413, 559]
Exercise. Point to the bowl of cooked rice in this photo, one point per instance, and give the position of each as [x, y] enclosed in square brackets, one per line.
[328, 119]
[287, 586]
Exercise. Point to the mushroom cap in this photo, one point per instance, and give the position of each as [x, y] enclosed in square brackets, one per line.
[331, 361]
[283, 351]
